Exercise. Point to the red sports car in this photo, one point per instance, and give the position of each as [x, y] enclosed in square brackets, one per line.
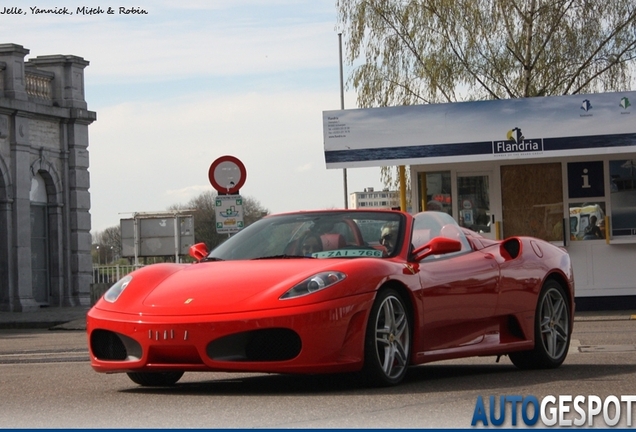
[338, 291]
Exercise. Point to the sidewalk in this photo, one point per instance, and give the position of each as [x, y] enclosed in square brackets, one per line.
[52, 318]
[74, 318]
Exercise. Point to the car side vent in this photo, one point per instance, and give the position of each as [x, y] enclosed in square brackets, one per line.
[515, 328]
[511, 248]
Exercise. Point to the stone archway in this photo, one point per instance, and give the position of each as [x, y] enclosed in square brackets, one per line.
[6, 287]
[47, 209]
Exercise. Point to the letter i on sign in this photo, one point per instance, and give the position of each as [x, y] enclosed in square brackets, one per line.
[586, 179]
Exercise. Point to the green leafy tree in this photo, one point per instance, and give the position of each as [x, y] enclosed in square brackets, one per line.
[432, 51]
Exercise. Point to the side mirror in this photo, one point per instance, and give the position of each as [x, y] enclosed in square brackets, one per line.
[198, 251]
[437, 246]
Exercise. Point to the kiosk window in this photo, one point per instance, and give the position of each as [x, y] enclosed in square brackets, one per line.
[435, 191]
[623, 197]
[473, 196]
[587, 221]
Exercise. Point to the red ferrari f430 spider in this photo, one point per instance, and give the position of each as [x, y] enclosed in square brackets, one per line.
[333, 291]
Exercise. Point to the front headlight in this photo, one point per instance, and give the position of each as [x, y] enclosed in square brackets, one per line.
[115, 291]
[315, 283]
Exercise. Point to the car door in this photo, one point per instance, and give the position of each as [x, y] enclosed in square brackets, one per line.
[458, 292]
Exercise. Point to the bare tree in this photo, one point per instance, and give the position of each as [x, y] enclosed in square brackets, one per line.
[107, 245]
[204, 213]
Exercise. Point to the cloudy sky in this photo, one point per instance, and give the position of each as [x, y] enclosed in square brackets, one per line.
[193, 80]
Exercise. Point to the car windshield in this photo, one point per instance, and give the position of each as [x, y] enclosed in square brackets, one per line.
[329, 234]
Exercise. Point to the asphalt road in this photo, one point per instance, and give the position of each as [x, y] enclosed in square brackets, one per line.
[46, 381]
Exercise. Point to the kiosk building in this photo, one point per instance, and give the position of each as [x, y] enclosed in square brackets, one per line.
[559, 168]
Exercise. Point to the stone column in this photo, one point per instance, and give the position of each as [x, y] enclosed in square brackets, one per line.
[21, 173]
[68, 92]
[9, 300]
[79, 204]
[14, 84]
[20, 279]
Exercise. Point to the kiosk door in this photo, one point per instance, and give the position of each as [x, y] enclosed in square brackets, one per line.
[474, 203]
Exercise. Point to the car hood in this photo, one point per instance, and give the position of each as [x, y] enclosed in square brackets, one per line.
[215, 287]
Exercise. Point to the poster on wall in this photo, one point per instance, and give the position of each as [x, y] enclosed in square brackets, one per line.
[554, 126]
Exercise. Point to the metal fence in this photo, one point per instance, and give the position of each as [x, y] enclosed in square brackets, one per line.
[111, 274]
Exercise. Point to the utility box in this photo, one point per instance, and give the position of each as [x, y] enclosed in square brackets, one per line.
[157, 235]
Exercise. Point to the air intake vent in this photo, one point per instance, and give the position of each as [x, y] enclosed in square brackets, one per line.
[106, 345]
[275, 344]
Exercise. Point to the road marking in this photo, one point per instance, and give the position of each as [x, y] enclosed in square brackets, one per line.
[44, 357]
[607, 348]
[574, 346]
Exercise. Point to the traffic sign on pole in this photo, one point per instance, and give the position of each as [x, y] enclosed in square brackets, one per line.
[227, 174]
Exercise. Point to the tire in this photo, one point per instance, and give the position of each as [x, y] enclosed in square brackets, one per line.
[155, 379]
[387, 344]
[551, 331]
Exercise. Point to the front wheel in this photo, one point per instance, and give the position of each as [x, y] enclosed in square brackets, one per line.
[551, 331]
[388, 340]
[155, 379]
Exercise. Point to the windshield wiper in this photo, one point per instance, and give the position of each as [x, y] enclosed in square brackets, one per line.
[211, 259]
[283, 256]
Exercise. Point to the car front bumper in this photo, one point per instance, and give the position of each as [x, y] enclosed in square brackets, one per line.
[324, 337]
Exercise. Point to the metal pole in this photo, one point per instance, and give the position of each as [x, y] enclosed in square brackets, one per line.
[402, 173]
[344, 171]
[176, 239]
[136, 239]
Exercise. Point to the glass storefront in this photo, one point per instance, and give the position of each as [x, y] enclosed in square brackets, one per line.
[473, 198]
[435, 191]
[623, 197]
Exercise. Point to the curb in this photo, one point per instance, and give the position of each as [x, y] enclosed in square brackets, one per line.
[40, 325]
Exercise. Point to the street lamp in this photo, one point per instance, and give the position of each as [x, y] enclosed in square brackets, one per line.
[98, 262]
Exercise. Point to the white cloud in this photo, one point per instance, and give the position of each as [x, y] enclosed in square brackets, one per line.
[139, 150]
[181, 42]
[303, 168]
[195, 80]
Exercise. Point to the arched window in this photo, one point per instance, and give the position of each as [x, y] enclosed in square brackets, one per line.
[39, 240]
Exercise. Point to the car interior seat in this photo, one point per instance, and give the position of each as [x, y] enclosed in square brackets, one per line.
[331, 241]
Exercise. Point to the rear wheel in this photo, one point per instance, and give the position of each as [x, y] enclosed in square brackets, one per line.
[551, 331]
[155, 379]
[388, 340]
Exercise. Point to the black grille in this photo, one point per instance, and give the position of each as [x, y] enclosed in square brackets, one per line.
[273, 345]
[106, 345]
[276, 344]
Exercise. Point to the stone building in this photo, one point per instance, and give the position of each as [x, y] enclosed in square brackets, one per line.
[45, 241]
